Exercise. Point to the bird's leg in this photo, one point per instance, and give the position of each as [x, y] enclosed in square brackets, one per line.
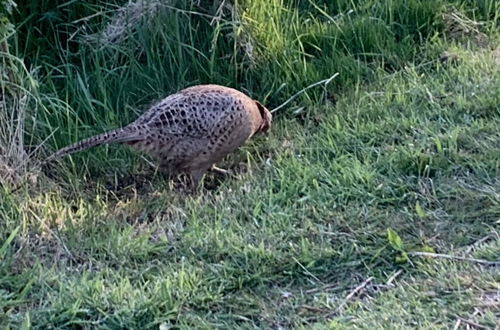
[196, 177]
[166, 172]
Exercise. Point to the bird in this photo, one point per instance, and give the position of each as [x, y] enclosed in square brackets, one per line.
[189, 131]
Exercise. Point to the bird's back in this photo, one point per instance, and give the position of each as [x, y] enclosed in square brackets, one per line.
[197, 111]
[198, 125]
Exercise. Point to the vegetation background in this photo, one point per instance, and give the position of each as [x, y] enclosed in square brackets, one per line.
[322, 225]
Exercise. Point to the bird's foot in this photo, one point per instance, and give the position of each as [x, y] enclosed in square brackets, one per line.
[220, 170]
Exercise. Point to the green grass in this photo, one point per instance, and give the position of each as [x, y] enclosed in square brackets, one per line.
[401, 142]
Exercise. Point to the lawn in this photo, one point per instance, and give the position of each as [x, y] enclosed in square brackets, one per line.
[324, 222]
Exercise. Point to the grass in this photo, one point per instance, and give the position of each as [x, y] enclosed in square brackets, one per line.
[397, 154]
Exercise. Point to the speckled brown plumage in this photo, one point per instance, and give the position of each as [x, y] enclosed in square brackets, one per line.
[189, 131]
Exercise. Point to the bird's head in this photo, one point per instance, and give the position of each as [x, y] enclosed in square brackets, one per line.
[266, 116]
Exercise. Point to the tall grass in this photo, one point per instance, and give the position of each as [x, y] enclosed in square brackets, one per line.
[101, 63]
[18, 93]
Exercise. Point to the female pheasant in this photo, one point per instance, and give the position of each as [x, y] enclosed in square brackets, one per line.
[189, 131]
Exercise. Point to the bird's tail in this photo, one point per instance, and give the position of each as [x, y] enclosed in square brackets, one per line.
[126, 134]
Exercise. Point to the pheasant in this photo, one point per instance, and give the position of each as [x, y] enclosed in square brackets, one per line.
[189, 131]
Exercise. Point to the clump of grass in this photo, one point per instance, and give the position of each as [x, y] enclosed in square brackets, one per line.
[463, 29]
[17, 88]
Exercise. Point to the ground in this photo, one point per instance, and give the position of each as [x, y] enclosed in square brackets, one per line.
[320, 224]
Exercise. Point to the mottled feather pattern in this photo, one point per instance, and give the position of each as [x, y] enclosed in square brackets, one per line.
[191, 130]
